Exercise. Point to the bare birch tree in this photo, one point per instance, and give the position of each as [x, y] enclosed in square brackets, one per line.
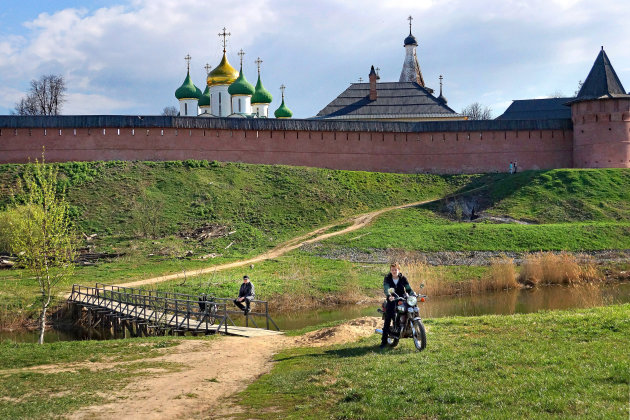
[476, 111]
[44, 241]
[45, 97]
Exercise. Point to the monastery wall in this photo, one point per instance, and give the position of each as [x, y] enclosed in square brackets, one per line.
[602, 133]
[401, 149]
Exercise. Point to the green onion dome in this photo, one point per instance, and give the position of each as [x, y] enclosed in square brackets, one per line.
[188, 90]
[261, 95]
[283, 111]
[241, 86]
[204, 99]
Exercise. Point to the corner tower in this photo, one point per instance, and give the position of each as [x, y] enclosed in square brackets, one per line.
[601, 119]
[411, 69]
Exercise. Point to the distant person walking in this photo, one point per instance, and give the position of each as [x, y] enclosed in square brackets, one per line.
[515, 166]
[511, 168]
[245, 294]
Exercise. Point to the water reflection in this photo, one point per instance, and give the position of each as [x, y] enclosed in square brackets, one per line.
[500, 303]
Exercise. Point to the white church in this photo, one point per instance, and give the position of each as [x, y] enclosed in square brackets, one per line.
[227, 93]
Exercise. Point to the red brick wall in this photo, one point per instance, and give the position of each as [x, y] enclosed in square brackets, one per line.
[448, 152]
[601, 133]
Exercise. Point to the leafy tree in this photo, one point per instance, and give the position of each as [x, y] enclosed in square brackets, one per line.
[42, 236]
[170, 111]
[476, 111]
[45, 97]
[579, 87]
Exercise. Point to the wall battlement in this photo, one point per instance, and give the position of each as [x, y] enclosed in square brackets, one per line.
[436, 147]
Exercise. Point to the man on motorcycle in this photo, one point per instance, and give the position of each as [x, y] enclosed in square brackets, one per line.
[399, 283]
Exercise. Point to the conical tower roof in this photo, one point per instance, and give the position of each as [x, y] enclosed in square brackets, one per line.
[188, 90]
[602, 81]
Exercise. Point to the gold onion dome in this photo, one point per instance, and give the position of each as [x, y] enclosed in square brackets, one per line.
[223, 74]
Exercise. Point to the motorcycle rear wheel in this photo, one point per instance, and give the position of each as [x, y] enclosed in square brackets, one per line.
[419, 335]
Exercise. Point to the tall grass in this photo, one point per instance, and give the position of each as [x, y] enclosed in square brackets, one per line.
[546, 268]
[542, 268]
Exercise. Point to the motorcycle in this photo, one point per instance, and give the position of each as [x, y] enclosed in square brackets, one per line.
[407, 322]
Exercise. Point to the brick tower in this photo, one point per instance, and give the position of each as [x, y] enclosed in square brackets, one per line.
[601, 119]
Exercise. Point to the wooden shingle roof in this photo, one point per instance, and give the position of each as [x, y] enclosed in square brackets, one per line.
[394, 99]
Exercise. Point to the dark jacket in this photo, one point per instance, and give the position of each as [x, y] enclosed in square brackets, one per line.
[402, 287]
[247, 291]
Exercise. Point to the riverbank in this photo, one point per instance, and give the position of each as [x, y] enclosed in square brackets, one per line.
[550, 364]
[560, 363]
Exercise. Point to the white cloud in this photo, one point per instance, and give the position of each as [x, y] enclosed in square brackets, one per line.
[128, 58]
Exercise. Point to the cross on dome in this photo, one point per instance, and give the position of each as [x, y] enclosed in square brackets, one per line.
[188, 58]
[409, 19]
[258, 63]
[241, 53]
[282, 88]
[224, 35]
[360, 79]
[207, 67]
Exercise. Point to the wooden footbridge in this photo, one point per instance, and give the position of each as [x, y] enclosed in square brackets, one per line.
[143, 312]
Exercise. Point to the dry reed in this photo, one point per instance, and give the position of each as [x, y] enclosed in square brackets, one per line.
[546, 268]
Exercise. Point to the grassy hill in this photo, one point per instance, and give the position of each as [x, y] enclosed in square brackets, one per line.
[566, 209]
[166, 217]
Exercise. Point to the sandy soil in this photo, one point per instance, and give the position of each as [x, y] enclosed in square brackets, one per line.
[211, 372]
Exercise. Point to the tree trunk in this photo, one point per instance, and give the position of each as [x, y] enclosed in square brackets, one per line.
[42, 323]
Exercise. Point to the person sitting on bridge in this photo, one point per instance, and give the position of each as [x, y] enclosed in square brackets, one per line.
[245, 294]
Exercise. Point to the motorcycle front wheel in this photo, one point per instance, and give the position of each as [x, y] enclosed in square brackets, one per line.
[392, 342]
[419, 335]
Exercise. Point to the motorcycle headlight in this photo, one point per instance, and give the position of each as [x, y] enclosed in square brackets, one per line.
[412, 300]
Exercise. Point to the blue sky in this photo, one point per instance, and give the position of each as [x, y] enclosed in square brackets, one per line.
[126, 56]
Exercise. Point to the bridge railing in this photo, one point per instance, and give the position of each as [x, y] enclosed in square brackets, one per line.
[167, 312]
[213, 305]
[211, 300]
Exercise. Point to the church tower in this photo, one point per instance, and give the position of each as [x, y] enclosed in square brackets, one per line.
[411, 69]
[261, 98]
[241, 91]
[188, 95]
[219, 81]
[283, 111]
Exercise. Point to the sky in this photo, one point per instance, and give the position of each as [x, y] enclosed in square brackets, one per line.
[127, 56]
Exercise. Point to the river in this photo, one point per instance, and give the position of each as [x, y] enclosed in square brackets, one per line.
[499, 303]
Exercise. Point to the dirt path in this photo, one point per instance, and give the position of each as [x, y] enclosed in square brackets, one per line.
[212, 372]
[358, 222]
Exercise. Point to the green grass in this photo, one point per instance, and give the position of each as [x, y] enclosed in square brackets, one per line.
[33, 393]
[564, 364]
[144, 210]
[423, 230]
[559, 195]
[300, 274]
